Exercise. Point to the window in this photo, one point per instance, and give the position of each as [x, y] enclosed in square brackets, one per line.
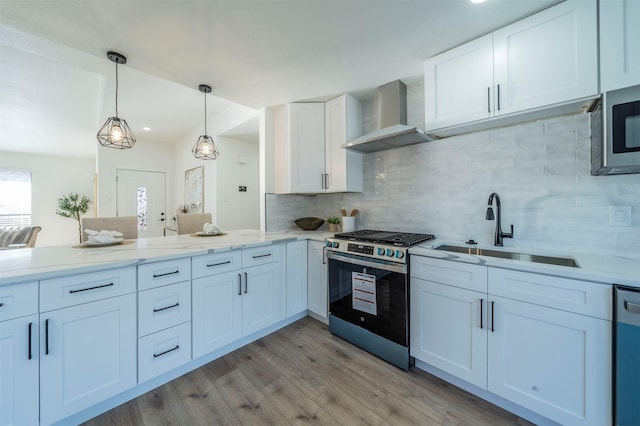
[15, 197]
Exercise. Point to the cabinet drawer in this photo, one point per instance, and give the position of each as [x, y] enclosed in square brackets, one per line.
[163, 307]
[216, 263]
[463, 275]
[18, 300]
[75, 289]
[261, 255]
[581, 297]
[162, 273]
[163, 351]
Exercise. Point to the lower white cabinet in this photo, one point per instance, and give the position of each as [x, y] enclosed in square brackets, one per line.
[262, 297]
[163, 351]
[87, 354]
[555, 363]
[296, 273]
[317, 286]
[19, 371]
[446, 329]
[553, 360]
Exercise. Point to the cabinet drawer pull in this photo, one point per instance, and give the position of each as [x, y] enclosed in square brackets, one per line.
[481, 303]
[46, 337]
[177, 271]
[492, 329]
[29, 354]
[262, 255]
[211, 265]
[239, 284]
[167, 307]
[326, 181]
[90, 288]
[322, 181]
[167, 351]
[246, 283]
[634, 308]
[498, 97]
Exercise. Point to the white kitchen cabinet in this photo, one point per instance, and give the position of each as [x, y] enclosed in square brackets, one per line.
[163, 351]
[343, 167]
[87, 354]
[448, 329]
[308, 137]
[296, 281]
[19, 403]
[547, 59]
[555, 363]
[230, 305]
[217, 311]
[619, 47]
[539, 341]
[317, 284]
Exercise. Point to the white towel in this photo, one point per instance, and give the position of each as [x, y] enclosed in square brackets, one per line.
[102, 236]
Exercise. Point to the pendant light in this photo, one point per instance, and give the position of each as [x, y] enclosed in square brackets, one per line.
[204, 148]
[115, 132]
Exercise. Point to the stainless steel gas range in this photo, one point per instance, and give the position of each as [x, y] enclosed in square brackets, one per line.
[369, 291]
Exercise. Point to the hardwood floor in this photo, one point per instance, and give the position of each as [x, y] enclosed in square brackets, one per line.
[302, 374]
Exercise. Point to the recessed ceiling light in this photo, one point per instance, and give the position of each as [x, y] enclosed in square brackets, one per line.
[478, 1]
[146, 129]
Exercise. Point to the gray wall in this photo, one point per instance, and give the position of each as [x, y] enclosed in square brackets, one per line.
[540, 170]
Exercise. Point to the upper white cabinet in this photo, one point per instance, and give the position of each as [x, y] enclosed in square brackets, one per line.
[308, 157]
[343, 167]
[619, 46]
[546, 59]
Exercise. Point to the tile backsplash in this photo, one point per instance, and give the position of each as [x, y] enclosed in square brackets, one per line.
[539, 169]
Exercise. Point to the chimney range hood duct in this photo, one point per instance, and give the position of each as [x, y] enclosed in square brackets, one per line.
[393, 131]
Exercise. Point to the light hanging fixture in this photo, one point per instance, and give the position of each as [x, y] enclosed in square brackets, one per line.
[204, 148]
[115, 132]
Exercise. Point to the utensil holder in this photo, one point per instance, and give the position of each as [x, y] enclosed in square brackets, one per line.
[348, 223]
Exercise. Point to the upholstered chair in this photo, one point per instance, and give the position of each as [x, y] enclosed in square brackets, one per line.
[189, 223]
[126, 225]
[18, 236]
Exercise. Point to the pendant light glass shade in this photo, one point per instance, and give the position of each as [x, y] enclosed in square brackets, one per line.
[115, 132]
[205, 148]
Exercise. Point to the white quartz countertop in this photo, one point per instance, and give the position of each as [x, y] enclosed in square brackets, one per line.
[30, 264]
[592, 267]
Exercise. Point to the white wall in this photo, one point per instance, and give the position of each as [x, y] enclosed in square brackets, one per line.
[184, 160]
[52, 177]
[146, 155]
[238, 210]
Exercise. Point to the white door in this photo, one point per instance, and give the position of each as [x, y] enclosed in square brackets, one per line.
[555, 363]
[306, 138]
[87, 354]
[142, 194]
[19, 371]
[262, 297]
[317, 293]
[296, 277]
[619, 47]
[449, 329]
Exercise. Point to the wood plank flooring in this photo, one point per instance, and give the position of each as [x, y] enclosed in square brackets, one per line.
[302, 374]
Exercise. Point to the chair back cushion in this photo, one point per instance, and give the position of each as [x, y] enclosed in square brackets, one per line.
[189, 223]
[126, 225]
[18, 235]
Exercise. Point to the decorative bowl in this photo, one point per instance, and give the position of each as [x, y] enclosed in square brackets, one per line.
[309, 223]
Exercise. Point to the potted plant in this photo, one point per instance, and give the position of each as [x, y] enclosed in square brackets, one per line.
[333, 222]
[74, 206]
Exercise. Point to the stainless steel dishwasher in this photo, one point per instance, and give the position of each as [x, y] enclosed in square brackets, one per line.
[627, 356]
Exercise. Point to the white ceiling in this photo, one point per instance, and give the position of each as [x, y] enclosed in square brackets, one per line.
[256, 53]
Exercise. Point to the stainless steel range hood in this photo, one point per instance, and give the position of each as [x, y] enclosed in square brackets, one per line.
[393, 131]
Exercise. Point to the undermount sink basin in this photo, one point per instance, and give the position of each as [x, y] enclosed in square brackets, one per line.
[562, 261]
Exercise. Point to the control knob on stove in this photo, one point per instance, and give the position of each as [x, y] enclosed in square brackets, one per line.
[327, 244]
[390, 253]
[335, 244]
[399, 254]
[380, 251]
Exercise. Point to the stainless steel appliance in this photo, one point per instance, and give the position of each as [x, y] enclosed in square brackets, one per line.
[627, 356]
[615, 133]
[369, 291]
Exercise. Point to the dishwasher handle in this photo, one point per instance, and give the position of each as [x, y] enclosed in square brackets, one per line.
[627, 305]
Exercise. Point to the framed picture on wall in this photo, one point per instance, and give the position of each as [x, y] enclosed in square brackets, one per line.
[194, 189]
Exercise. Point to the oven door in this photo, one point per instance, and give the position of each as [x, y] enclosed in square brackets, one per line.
[370, 294]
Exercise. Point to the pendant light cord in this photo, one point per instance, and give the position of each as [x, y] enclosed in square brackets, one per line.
[116, 89]
[205, 113]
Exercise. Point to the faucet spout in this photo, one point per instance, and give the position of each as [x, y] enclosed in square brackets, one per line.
[498, 235]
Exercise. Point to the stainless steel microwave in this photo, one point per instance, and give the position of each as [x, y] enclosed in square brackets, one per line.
[615, 133]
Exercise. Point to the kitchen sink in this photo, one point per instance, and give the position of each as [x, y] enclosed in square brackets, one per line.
[562, 261]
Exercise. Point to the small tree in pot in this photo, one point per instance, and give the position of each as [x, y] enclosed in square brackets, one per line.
[74, 206]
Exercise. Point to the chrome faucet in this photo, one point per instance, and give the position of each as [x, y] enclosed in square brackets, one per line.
[499, 235]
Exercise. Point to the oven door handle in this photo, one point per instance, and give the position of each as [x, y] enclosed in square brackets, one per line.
[387, 266]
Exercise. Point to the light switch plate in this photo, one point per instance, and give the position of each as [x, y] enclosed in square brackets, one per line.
[620, 215]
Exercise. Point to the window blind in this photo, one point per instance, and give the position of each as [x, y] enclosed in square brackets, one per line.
[15, 197]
